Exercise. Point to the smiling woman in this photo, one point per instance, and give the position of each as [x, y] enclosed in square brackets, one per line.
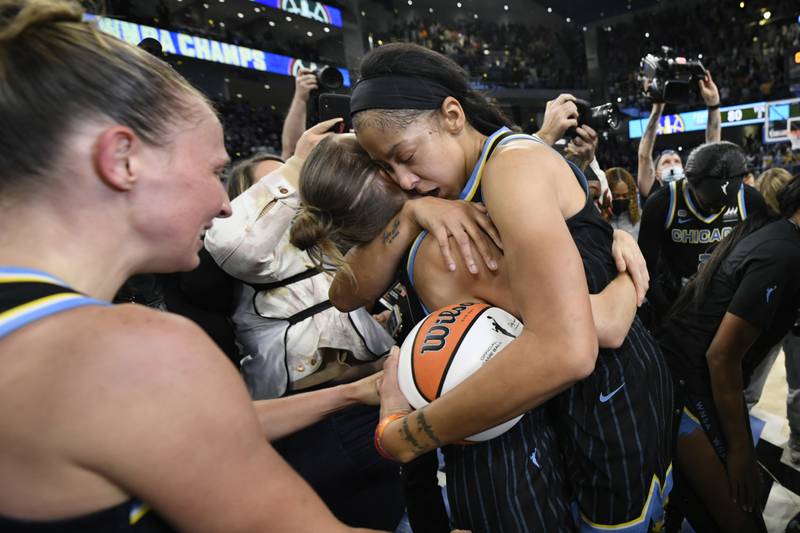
[114, 406]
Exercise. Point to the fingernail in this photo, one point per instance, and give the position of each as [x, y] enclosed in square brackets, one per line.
[493, 265]
[452, 267]
[473, 268]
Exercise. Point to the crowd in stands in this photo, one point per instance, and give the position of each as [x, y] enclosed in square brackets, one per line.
[249, 129]
[745, 52]
[509, 55]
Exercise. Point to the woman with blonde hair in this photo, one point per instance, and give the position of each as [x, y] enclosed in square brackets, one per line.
[121, 418]
[769, 183]
[625, 212]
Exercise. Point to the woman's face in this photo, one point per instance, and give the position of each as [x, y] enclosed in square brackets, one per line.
[180, 192]
[422, 158]
[620, 190]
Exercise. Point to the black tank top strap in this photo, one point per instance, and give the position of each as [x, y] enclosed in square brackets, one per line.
[26, 296]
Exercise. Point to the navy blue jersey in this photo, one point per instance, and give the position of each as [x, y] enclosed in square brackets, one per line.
[27, 296]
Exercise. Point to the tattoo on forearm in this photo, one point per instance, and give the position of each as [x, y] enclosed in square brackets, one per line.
[427, 429]
[410, 438]
[391, 234]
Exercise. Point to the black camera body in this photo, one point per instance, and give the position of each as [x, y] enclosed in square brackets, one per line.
[670, 77]
[604, 117]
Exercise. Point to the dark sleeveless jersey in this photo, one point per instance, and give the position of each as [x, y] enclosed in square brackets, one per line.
[27, 296]
[614, 427]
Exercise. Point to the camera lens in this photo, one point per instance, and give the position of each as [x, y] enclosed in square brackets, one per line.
[330, 78]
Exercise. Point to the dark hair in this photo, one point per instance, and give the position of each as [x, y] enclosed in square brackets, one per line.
[406, 59]
[240, 176]
[696, 290]
[721, 159]
[662, 154]
[57, 70]
[615, 175]
[345, 201]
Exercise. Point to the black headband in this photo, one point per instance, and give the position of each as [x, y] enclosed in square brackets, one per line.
[397, 92]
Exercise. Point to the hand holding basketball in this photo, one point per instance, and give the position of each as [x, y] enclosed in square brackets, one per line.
[392, 399]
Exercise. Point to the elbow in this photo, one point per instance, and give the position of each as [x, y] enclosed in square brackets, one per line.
[583, 359]
[343, 300]
[614, 339]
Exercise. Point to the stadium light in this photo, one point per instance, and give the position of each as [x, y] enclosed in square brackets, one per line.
[505, 7]
[767, 15]
[549, 9]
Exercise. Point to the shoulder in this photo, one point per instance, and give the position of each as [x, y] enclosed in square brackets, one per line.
[658, 201]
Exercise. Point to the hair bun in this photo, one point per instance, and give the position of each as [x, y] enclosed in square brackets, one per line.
[308, 229]
[18, 16]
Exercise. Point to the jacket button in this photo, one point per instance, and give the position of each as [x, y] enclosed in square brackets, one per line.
[301, 368]
[283, 190]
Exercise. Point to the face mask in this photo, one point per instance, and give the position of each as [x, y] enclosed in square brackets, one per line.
[716, 193]
[620, 206]
[668, 175]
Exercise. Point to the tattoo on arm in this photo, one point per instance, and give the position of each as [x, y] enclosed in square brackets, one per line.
[415, 445]
[391, 234]
[427, 429]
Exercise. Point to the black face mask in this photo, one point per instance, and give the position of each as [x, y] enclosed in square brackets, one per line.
[620, 206]
[715, 193]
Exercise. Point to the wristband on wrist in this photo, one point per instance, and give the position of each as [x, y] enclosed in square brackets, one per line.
[382, 425]
[713, 107]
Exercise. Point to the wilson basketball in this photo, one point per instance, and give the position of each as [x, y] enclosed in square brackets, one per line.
[448, 346]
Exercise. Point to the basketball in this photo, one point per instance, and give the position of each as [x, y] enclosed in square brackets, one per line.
[447, 347]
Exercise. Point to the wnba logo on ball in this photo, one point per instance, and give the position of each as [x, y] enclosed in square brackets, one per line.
[436, 336]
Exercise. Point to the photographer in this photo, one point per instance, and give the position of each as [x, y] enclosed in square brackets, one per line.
[682, 221]
[668, 166]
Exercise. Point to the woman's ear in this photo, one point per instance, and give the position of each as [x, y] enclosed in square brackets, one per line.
[452, 116]
[112, 157]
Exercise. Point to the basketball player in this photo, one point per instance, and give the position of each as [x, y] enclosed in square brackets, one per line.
[684, 220]
[106, 407]
[418, 119]
[725, 323]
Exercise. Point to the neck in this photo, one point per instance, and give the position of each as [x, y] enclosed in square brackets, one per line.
[474, 142]
[83, 251]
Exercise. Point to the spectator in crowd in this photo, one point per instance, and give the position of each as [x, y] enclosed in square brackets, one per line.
[305, 83]
[293, 339]
[115, 403]
[727, 319]
[625, 213]
[513, 55]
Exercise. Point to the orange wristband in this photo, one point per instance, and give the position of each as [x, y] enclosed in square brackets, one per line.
[382, 425]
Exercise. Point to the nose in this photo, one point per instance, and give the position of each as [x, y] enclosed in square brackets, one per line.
[225, 210]
[406, 180]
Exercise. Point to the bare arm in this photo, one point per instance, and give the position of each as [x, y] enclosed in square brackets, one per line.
[284, 416]
[374, 265]
[733, 339]
[558, 345]
[710, 94]
[180, 432]
[646, 173]
[295, 123]
[613, 310]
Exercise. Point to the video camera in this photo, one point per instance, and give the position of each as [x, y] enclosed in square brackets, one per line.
[669, 77]
[604, 117]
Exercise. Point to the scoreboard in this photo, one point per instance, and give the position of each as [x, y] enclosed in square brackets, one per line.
[737, 115]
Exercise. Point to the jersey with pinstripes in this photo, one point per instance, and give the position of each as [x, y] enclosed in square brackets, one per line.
[614, 427]
[27, 296]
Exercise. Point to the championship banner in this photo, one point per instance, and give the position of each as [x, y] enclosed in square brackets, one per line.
[308, 9]
[195, 47]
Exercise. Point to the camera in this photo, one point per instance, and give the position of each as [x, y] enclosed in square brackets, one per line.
[329, 78]
[600, 118]
[670, 77]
